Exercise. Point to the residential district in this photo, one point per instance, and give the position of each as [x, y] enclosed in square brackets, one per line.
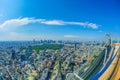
[44, 59]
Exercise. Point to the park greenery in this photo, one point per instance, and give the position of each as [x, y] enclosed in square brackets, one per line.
[45, 47]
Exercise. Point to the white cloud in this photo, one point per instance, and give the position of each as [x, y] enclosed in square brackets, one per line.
[84, 24]
[59, 22]
[53, 22]
[71, 36]
[24, 21]
[19, 22]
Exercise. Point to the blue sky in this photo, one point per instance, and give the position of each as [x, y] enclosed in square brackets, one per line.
[59, 19]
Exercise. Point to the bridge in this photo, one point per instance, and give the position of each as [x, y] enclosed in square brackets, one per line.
[107, 65]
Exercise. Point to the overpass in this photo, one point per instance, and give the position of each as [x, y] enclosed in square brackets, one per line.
[105, 75]
[102, 62]
[106, 66]
[111, 70]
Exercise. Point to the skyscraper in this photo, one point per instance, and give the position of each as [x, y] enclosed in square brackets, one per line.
[29, 51]
[75, 47]
[13, 56]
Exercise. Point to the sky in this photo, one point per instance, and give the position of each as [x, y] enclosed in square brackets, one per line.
[59, 19]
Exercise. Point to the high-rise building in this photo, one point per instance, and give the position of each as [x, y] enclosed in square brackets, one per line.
[29, 51]
[75, 47]
[23, 58]
[13, 56]
[34, 41]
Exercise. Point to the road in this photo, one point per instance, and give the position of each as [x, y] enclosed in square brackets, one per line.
[110, 69]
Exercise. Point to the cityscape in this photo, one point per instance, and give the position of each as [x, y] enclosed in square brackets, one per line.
[59, 40]
[59, 60]
[43, 60]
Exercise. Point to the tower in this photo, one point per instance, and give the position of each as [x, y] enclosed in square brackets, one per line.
[13, 56]
[29, 51]
[75, 46]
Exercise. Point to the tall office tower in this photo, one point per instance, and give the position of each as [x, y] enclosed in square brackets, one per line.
[13, 56]
[29, 51]
[75, 47]
[23, 58]
[34, 42]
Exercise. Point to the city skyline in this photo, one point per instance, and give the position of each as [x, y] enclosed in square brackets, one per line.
[59, 19]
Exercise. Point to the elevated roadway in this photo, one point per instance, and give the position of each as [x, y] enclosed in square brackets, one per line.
[110, 69]
[113, 71]
[107, 68]
[106, 65]
[97, 64]
[92, 69]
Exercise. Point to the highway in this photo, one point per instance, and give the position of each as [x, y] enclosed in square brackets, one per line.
[113, 69]
[99, 64]
[93, 67]
[106, 66]
[78, 76]
[106, 69]
[100, 70]
[108, 72]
